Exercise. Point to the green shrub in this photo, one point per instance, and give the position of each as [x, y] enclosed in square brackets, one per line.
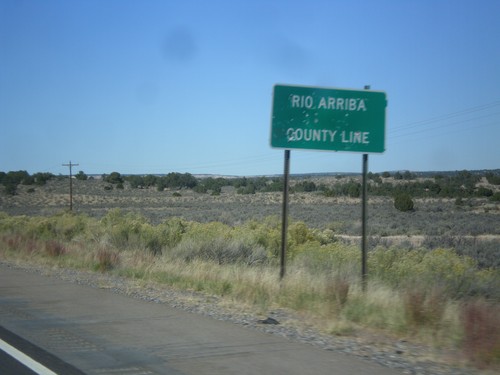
[354, 190]
[114, 178]
[124, 229]
[266, 233]
[200, 189]
[458, 276]
[162, 236]
[172, 230]
[335, 257]
[299, 233]
[403, 202]
[67, 226]
[495, 197]
[81, 176]
[493, 179]
[484, 192]
[61, 227]
[220, 251]
[249, 189]
[10, 189]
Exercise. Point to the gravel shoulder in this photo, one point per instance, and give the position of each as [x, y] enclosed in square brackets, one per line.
[410, 358]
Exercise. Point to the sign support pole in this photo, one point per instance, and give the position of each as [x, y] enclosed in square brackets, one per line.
[364, 271]
[284, 218]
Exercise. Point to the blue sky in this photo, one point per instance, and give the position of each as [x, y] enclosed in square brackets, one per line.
[186, 86]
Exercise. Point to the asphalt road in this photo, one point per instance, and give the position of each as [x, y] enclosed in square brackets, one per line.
[10, 366]
[94, 331]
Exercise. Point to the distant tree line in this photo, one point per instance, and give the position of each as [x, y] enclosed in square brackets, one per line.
[463, 184]
[459, 185]
[12, 179]
[172, 180]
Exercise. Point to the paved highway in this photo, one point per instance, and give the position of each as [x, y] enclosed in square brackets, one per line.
[10, 366]
[94, 331]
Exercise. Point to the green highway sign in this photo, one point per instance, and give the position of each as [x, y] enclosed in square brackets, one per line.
[314, 118]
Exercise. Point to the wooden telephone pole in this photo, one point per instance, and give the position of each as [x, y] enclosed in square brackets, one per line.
[70, 165]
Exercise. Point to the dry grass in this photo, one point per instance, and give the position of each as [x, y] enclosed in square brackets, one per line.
[337, 292]
[107, 259]
[481, 321]
[54, 248]
[424, 307]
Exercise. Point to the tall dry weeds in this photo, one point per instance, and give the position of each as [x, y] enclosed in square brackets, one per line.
[54, 248]
[107, 259]
[481, 323]
[337, 292]
[424, 307]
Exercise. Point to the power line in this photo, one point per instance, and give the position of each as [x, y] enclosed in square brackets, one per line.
[418, 129]
[423, 130]
[446, 116]
[440, 134]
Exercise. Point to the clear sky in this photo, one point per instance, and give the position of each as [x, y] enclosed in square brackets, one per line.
[145, 86]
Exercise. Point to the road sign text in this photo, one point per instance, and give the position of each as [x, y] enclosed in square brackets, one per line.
[316, 118]
[339, 104]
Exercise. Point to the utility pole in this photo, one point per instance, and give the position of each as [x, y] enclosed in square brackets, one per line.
[70, 165]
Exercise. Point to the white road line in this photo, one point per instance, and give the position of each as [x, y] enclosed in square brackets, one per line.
[25, 360]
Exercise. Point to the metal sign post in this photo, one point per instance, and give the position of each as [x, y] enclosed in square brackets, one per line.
[364, 198]
[284, 216]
